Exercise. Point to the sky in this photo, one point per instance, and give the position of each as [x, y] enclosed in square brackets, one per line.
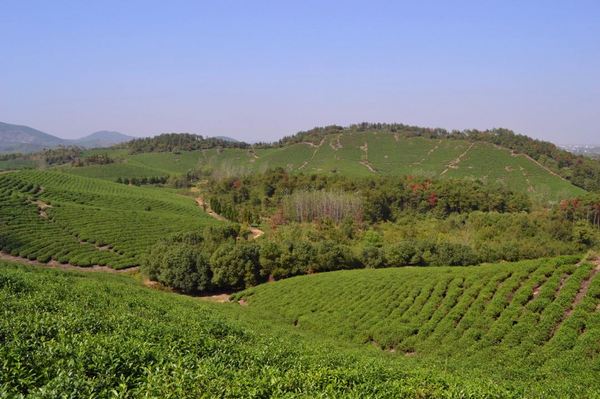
[259, 70]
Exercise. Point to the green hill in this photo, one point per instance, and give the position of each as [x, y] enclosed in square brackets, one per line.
[48, 215]
[77, 334]
[530, 320]
[358, 154]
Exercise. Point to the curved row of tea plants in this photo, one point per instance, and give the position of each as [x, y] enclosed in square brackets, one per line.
[528, 320]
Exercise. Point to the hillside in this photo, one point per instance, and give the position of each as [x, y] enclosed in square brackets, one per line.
[74, 334]
[534, 319]
[141, 342]
[102, 138]
[360, 155]
[70, 219]
[17, 138]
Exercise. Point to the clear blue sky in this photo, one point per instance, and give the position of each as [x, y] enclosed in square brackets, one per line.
[259, 70]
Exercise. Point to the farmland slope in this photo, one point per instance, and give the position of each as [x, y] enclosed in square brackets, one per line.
[527, 320]
[73, 334]
[357, 154]
[48, 215]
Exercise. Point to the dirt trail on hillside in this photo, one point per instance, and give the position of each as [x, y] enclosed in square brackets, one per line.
[206, 208]
[66, 266]
[454, 164]
[365, 161]
[202, 204]
[316, 147]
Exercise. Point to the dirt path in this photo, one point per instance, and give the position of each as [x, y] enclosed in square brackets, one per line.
[365, 161]
[316, 147]
[202, 204]
[206, 208]
[337, 145]
[431, 151]
[56, 265]
[454, 164]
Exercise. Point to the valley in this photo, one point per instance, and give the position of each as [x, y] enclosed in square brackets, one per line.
[350, 264]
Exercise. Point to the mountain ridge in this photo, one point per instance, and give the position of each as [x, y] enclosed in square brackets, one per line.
[25, 139]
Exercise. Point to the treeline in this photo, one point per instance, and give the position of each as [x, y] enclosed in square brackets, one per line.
[174, 142]
[61, 155]
[582, 171]
[96, 159]
[583, 208]
[286, 197]
[140, 181]
[174, 181]
[12, 156]
[58, 156]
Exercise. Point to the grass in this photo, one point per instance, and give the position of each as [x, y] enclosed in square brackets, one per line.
[48, 215]
[530, 322]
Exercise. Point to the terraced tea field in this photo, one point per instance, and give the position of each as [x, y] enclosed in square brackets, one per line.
[536, 318]
[49, 215]
[357, 154]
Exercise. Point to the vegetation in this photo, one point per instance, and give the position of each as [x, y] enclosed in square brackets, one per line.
[128, 341]
[581, 171]
[359, 154]
[223, 259]
[174, 142]
[300, 197]
[534, 320]
[188, 209]
[56, 216]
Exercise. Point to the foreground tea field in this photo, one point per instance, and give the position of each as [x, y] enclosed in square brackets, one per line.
[528, 320]
[98, 335]
[48, 215]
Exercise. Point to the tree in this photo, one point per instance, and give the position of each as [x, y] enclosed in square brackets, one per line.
[236, 266]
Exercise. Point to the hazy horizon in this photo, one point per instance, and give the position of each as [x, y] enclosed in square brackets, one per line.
[260, 71]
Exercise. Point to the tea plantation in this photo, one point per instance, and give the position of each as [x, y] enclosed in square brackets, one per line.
[533, 320]
[49, 215]
[99, 335]
[353, 154]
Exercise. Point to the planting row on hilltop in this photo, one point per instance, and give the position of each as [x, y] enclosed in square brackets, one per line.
[82, 221]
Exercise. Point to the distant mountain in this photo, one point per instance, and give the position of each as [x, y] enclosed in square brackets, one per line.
[102, 138]
[17, 138]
